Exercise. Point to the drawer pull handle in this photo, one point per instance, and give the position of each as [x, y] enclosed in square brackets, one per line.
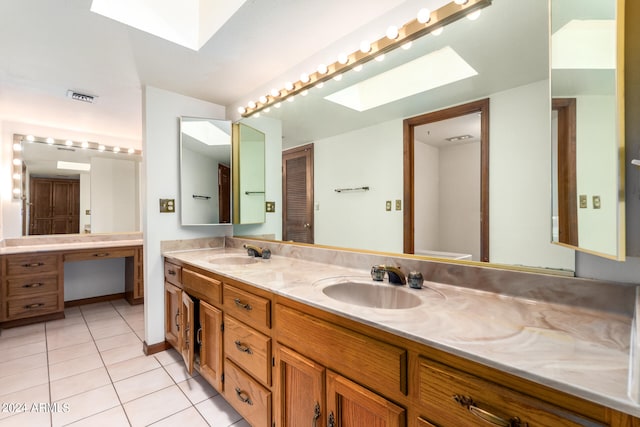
[36, 305]
[316, 414]
[102, 254]
[171, 273]
[242, 347]
[176, 320]
[331, 422]
[33, 264]
[199, 336]
[244, 397]
[33, 285]
[242, 305]
[486, 416]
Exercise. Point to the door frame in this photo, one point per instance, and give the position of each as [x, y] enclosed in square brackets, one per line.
[409, 125]
[300, 151]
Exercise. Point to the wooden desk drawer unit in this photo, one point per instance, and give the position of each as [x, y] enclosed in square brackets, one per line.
[247, 396]
[99, 254]
[173, 273]
[26, 286]
[247, 307]
[250, 349]
[18, 265]
[32, 306]
[202, 286]
[449, 397]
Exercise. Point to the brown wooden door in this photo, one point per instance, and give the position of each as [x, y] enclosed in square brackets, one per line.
[297, 190]
[300, 394]
[172, 303]
[210, 339]
[567, 181]
[55, 206]
[224, 194]
[351, 405]
[187, 331]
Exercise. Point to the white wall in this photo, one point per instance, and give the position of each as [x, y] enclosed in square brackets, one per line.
[366, 157]
[200, 178]
[426, 196]
[114, 205]
[85, 202]
[520, 158]
[161, 111]
[88, 279]
[272, 128]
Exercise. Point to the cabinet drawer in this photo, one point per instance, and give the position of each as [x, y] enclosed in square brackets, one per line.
[247, 396]
[33, 285]
[35, 263]
[33, 306]
[202, 286]
[449, 397]
[173, 274]
[248, 348]
[99, 254]
[247, 307]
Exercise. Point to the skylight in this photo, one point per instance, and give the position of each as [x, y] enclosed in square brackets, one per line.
[206, 132]
[189, 23]
[433, 70]
[584, 44]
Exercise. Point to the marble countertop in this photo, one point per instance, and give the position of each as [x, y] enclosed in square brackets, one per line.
[69, 242]
[580, 351]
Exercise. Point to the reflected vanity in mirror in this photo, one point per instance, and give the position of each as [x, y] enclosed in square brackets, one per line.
[205, 171]
[221, 172]
[588, 125]
[70, 187]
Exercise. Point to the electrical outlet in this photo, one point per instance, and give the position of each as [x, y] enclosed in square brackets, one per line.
[398, 205]
[583, 201]
[388, 205]
[270, 206]
[167, 205]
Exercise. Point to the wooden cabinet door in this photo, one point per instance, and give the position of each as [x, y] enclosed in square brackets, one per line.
[210, 339]
[300, 390]
[172, 303]
[351, 405]
[187, 331]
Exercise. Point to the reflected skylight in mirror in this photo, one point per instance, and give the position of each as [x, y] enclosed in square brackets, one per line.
[430, 71]
[189, 23]
[584, 44]
[206, 131]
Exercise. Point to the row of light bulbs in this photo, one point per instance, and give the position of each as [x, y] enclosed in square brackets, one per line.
[426, 22]
[69, 143]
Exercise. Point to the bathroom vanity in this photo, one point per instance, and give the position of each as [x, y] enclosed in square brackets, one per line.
[33, 272]
[267, 335]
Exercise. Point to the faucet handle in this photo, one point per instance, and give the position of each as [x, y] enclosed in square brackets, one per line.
[377, 273]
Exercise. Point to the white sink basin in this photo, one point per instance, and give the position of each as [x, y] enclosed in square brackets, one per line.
[370, 294]
[232, 260]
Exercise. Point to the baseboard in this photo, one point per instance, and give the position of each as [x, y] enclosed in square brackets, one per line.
[93, 300]
[155, 348]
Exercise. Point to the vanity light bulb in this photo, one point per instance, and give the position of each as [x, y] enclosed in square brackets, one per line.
[17, 176]
[343, 58]
[251, 105]
[275, 92]
[257, 114]
[365, 46]
[380, 58]
[101, 147]
[291, 99]
[17, 147]
[407, 45]
[461, 1]
[278, 104]
[16, 191]
[17, 162]
[304, 78]
[68, 143]
[320, 85]
[358, 68]
[474, 15]
[424, 16]
[338, 77]
[392, 32]
[304, 92]
[266, 110]
[49, 140]
[263, 99]
[85, 144]
[242, 110]
[437, 31]
[322, 69]
[288, 86]
[116, 149]
[31, 138]
[131, 151]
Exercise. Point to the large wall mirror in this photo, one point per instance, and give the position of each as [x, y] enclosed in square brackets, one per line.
[503, 56]
[588, 125]
[248, 175]
[70, 187]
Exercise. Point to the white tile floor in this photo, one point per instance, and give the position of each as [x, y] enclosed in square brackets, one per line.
[89, 370]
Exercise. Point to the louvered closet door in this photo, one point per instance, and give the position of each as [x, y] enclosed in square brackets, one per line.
[297, 183]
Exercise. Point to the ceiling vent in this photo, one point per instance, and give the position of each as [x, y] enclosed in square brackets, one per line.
[81, 97]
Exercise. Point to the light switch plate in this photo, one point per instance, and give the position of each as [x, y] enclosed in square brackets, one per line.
[388, 205]
[398, 205]
[583, 201]
[167, 205]
[596, 202]
[270, 206]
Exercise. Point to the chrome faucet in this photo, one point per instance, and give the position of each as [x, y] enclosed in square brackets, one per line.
[395, 275]
[255, 251]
